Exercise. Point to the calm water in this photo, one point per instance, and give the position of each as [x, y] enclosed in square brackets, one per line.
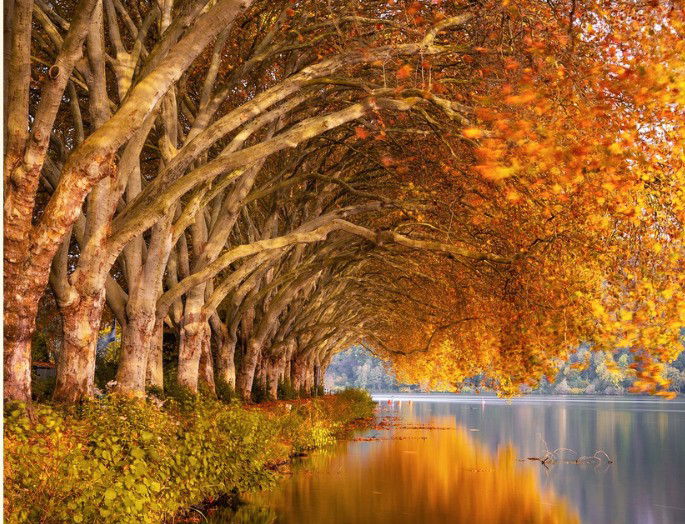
[470, 469]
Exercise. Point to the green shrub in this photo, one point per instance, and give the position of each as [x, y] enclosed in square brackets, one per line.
[225, 391]
[121, 460]
[286, 391]
[42, 387]
[357, 403]
[313, 435]
[155, 391]
[107, 361]
[356, 395]
[126, 461]
[260, 393]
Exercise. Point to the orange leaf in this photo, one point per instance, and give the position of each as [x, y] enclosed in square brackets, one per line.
[361, 132]
[414, 8]
[472, 132]
[405, 71]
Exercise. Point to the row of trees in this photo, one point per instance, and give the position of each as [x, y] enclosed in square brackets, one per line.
[270, 182]
[357, 368]
[585, 372]
[606, 374]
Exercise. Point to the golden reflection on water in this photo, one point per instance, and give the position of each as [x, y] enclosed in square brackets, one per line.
[446, 477]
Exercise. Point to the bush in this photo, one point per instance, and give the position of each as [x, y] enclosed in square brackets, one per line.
[127, 461]
[313, 435]
[286, 391]
[260, 393]
[122, 460]
[42, 387]
[355, 394]
[224, 391]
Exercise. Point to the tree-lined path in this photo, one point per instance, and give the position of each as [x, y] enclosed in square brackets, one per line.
[468, 188]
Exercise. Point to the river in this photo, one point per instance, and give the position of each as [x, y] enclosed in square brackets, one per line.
[447, 458]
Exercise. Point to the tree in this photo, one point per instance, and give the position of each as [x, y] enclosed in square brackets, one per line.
[270, 182]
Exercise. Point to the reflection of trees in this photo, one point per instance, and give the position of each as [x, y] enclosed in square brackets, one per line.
[445, 478]
[642, 437]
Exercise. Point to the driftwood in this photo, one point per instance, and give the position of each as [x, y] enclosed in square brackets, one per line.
[551, 457]
[555, 457]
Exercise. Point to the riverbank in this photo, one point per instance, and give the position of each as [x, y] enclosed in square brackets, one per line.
[121, 460]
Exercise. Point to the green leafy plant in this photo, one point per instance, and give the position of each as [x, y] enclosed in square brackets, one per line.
[286, 391]
[123, 460]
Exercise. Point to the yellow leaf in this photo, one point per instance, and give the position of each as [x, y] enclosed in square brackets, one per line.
[472, 132]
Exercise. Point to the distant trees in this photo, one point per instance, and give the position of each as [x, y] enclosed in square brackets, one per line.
[356, 367]
[605, 374]
[583, 373]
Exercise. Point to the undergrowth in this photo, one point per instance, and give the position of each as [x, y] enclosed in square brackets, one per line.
[123, 460]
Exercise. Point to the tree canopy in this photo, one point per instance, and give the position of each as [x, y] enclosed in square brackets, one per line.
[467, 188]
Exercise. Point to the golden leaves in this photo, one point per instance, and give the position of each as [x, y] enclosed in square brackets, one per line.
[577, 171]
[524, 98]
[495, 172]
[404, 72]
[472, 132]
[361, 133]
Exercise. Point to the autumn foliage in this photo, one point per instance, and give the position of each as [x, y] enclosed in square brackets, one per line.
[467, 188]
[576, 173]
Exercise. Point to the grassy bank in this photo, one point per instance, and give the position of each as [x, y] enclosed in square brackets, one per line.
[118, 460]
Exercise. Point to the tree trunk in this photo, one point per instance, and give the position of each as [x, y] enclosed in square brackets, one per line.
[207, 366]
[316, 377]
[194, 332]
[308, 378]
[287, 367]
[190, 353]
[297, 374]
[19, 325]
[226, 357]
[274, 373]
[76, 366]
[248, 369]
[262, 369]
[155, 359]
[137, 340]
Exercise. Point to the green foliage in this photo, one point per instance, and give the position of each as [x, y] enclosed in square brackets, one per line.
[601, 373]
[155, 391]
[313, 435]
[107, 361]
[355, 395]
[225, 391]
[40, 351]
[173, 390]
[122, 460]
[126, 461]
[42, 387]
[260, 393]
[286, 391]
[357, 403]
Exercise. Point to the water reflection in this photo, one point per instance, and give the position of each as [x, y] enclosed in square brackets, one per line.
[644, 436]
[427, 476]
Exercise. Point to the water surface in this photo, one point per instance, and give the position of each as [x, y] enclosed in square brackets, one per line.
[470, 465]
